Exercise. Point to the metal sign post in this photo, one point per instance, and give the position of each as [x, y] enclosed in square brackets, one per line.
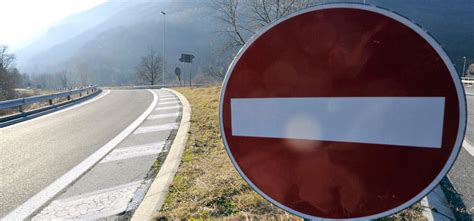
[187, 58]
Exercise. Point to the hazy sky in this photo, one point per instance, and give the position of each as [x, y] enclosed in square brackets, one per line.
[20, 20]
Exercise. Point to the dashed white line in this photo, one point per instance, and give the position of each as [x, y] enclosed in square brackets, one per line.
[169, 99]
[163, 127]
[169, 102]
[34, 203]
[160, 116]
[168, 108]
[134, 151]
[468, 147]
[166, 96]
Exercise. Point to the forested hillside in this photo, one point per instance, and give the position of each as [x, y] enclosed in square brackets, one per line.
[104, 45]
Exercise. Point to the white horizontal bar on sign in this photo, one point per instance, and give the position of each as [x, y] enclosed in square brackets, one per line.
[168, 108]
[159, 116]
[149, 129]
[403, 121]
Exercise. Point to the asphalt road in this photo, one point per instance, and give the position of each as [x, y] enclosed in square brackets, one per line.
[462, 173]
[35, 153]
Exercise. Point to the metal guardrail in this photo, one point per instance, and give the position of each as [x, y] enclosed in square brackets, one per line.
[155, 86]
[36, 99]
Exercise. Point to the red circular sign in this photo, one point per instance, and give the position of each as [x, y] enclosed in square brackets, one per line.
[342, 111]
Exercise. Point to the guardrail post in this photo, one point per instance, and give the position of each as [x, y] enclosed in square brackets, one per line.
[69, 97]
[20, 108]
[51, 102]
[80, 94]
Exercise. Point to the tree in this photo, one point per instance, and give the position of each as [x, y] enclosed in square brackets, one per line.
[150, 68]
[242, 19]
[63, 78]
[7, 60]
[216, 70]
[9, 75]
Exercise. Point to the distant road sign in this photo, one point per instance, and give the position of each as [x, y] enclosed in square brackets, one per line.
[177, 71]
[342, 111]
[188, 58]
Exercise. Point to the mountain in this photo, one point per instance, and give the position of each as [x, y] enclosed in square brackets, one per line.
[108, 41]
[104, 44]
[66, 29]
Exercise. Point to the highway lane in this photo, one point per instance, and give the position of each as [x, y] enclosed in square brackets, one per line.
[35, 153]
[462, 173]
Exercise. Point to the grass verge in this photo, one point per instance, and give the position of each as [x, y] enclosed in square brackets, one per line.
[206, 184]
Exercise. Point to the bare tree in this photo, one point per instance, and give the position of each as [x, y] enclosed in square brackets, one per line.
[230, 13]
[265, 12]
[216, 70]
[241, 18]
[7, 60]
[150, 67]
[9, 75]
[62, 76]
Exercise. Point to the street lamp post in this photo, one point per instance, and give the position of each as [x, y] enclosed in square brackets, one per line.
[164, 36]
[464, 67]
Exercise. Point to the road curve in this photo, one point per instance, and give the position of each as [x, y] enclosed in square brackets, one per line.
[462, 172]
[35, 153]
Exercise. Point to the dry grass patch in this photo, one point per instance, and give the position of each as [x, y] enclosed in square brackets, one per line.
[207, 186]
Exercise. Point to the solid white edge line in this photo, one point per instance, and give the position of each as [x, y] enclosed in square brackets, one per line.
[467, 146]
[106, 92]
[34, 203]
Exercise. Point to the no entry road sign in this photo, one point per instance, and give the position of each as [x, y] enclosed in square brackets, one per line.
[342, 111]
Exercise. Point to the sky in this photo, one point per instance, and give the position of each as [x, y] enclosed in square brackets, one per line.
[22, 20]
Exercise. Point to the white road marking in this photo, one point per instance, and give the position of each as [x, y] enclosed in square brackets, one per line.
[403, 121]
[168, 108]
[169, 99]
[169, 102]
[163, 127]
[436, 201]
[166, 96]
[468, 147]
[35, 202]
[160, 116]
[59, 111]
[90, 206]
[134, 151]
